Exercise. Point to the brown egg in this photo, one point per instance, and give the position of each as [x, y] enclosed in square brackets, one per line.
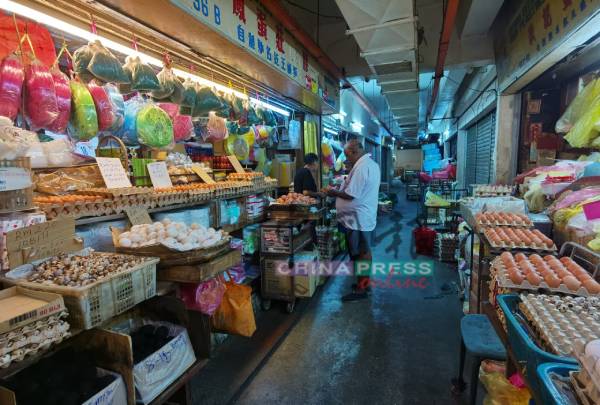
[552, 280]
[519, 257]
[549, 257]
[566, 260]
[534, 278]
[516, 277]
[506, 255]
[526, 267]
[583, 277]
[562, 273]
[592, 286]
[572, 283]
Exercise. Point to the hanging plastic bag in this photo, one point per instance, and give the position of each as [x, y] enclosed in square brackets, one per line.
[128, 132]
[235, 314]
[141, 76]
[584, 131]
[40, 100]
[169, 108]
[238, 145]
[189, 97]
[104, 111]
[224, 109]
[206, 101]
[178, 92]
[204, 297]
[237, 107]
[253, 118]
[183, 128]
[84, 120]
[62, 89]
[269, 118]
[12, 76]
[118, 106]
[216, 129]
[81, 60]
[167, 80]
[154, 127]
[578, 107]
[105, 66]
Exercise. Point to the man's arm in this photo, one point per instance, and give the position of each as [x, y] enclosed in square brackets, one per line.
[339, 194]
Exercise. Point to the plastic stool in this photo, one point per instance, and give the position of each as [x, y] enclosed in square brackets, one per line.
[480, 340]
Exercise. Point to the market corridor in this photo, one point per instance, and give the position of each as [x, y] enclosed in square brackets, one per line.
[401, 347]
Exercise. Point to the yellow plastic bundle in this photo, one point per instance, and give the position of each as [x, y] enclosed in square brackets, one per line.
[535, 198]
[594, 244]
[434, 200]
[500, 391]
[578, 107]
[310, 137]
[562, 216]
[585, 130]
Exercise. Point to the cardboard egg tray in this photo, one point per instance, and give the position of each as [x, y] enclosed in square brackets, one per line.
[586, 381]
[513, 224]
[513, 246]
[504, 281]
[563, 323]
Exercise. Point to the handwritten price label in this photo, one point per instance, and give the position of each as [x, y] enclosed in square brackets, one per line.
[113, 173]
[199, 170]
[159, 175]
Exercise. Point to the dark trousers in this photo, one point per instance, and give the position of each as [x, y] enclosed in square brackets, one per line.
[359, 249]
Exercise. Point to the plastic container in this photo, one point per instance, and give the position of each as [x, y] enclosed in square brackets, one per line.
[549, 393]
[526, 352]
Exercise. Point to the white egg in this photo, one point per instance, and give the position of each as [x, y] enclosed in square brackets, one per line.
[182, 237]
[172, 231]
[136, 228]
[136, 238]
[152, 235]
[125, 235]
[169, 241]
[187, 246]
[125, 242]
[210, 232]
[133, 245]
[151, 242]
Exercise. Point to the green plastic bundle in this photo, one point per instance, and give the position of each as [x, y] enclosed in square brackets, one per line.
[154, 127]
[84, 119]
[142, 76]
[206, 101]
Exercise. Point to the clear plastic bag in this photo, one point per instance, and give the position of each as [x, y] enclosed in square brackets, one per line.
[105, 66]
[40, 98]
[206, 101]
[183, 128]
[224, 110]
[118, 106]
[84, 121]
[500, 391]
[104, 108]
[63, 101]
[178, 92]
[15, 142]
[253, 118]
[585, 130]
[237, 107]
[216, 129]
[167, 80]
[142, 76]
[154, 127]
[170, 108]
[578, 107]
[12, 76]
[81, 60]
[204, 297]
[189, 97]
[128, 132]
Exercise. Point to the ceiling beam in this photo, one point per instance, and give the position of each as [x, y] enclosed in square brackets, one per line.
[389, 49]
[404, 20]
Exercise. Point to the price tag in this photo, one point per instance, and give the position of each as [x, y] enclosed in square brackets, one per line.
[14, 178]
[199, 170]
[138, 216]
[159, 175]
[113, 173]
[236, 164]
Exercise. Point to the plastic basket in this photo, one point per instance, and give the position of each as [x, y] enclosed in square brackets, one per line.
[527, 353]
[549, 393]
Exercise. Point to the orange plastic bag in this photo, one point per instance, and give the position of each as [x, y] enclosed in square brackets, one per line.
[235, 314]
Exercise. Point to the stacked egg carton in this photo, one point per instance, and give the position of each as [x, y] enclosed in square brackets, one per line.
[445, 246]
[487, 190]
[561, 322]
[32, 338]
[516, 238]
[327, 242]
[586, 381]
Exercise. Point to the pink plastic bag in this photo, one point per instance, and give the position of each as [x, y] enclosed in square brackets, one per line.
[40, 98]
[12, 76]
[170, 108]
[104, 107]
[63, 101]
[183, 128]
[204, 297]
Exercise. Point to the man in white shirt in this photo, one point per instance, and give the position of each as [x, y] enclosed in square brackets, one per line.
[356, 204]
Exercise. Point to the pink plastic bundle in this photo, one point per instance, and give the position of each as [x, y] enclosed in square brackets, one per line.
[204, 297]
[104, 107]
[12, 76]
[216, 128]
[170, 108]
[40, 98]
[63, 101]
[183, 128]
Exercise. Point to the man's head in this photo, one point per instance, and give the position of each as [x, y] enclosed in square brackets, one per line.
[311, 161]
[353, 151]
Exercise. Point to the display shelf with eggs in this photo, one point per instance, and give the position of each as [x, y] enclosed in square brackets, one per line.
[564, 275]
[562, 322]
[488, 190]
[173, 242]
[496, 218]
[509, 238]
[587, 380]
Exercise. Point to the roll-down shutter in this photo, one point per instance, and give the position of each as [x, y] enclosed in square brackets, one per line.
[480, 150]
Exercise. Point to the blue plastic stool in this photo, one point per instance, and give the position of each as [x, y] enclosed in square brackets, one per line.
[480, 340]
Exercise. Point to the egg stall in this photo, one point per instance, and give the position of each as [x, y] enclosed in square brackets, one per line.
[128, 181]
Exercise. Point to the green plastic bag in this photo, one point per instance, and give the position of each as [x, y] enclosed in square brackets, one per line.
[105, 66]
[154, 127]
[189, 97]
[253, 118]
[206, 101]
[178, 92]
[585, 130]
[578, 107]
[83, 125]
[224, 110]
[237, 107]
[142, 76]
[81, 59]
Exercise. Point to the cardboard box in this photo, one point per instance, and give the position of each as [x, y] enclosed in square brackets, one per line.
[21, 306]
[305, 286]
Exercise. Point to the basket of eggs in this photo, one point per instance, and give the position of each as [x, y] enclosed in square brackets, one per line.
[175, 243]
[293, 202]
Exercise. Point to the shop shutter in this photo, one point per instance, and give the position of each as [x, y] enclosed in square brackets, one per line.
[480, 150]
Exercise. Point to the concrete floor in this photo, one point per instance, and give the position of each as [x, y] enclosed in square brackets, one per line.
[400, 347]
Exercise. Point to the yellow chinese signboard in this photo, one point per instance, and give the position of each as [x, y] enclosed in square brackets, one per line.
[537, 27]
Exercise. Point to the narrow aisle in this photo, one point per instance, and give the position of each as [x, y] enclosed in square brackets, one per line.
[400, 347]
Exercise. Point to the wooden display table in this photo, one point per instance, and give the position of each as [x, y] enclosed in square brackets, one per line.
[198, 273]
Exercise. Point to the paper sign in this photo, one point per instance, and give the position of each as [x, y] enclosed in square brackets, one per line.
[236, 164]
[199, 170]
[592, 210]
[113, 173]
[159, 175]
[138, 216]
[14, 178]
[43, 240]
